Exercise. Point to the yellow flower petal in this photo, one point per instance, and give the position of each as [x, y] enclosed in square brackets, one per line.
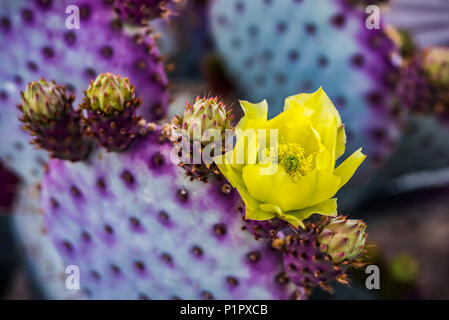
[255, 115]
[347, 169]
[280, 189]
[327, 208]
[324, 111]
[259, 215]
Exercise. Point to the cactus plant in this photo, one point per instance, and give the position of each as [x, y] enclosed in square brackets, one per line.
[138, 228]
[305, 44]
[40, 45]
[140, 12]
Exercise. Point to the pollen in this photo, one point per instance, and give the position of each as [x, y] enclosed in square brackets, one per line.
[296, 162]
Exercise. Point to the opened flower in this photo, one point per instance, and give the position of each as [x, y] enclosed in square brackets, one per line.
[285, 167]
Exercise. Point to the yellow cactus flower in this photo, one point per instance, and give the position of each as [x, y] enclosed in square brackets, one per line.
[292, 175]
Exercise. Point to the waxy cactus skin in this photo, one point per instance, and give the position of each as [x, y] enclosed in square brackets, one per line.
[132, 220]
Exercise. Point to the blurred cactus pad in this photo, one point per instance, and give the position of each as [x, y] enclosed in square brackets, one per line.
[301, 45]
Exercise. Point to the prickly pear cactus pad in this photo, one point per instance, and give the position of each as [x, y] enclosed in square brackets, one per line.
[302, 45]
[40, 45]
[138, 228]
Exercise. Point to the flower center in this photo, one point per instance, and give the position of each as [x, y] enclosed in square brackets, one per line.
[295, 161]
[291, 163]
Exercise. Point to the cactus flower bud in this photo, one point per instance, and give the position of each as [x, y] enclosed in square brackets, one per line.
[109, 93]
[49, 117]
[111, 107]
[343, 239]
[436, 64]
[43, 101]
[205, 114]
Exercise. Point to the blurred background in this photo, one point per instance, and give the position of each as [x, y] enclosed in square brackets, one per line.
[385, 64]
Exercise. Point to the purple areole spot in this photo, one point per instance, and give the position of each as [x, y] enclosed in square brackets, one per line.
[95, 275]
[141, 65]
[207, 295]
[197, 251]
[32, 66]
[167, 258]
[76, 193]
[281, 27]
[128, 178]
[253, 256]
[48, 52]
[219, 229]
[3, 95]
[282, 278]
[108, 230]
[374, 98]
[90, 73]
[139, 266]
[239, 7]
[358, 60]
[68, 247]
[323, 61]
[293, 55]
[164, 218]
[18, 79]
[45, 4]
[107, 52]
[232, 281]
[341, 102]
[116, 25]
[135, 224]
[379, 134]
[27, 15]
[182, 195]
[310, 28]
[54, 203]
[70, 38]
[339, 20]
[157, 161]
[5, 24]
[115, 269]
[86, 236]
[143, 296]
[101, 184]
[85, 12]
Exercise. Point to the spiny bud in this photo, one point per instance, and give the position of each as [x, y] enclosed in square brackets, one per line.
[436, 63]
[109, 93]
[205, 114]
[342, 239]
[49, 117]
[43, 101]
[111, 111]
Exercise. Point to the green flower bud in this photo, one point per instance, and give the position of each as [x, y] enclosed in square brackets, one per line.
[43, 101]
[205, 114]
[109, 93]
[436, 64]
[343, 239]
